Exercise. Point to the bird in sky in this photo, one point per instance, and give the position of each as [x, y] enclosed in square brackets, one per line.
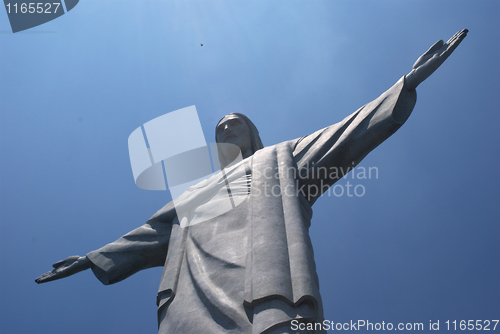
[201, 44]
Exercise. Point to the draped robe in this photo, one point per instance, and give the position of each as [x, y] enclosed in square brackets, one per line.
[252, 269]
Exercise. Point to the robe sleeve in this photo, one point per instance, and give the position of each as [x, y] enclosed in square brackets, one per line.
[142, 248]
[325, 156]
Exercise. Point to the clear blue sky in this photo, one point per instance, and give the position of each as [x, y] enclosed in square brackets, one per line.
[421, 244]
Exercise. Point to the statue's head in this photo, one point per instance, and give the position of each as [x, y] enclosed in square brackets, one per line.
[236, 129]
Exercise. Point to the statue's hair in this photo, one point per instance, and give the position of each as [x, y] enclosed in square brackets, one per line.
[254, 136]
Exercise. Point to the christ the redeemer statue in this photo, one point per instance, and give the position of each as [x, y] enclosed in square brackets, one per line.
[251, 269]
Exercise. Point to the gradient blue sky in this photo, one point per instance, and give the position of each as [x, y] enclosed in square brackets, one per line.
[422, 243]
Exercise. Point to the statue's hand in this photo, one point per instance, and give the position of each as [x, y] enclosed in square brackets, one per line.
[65, 268]
[432, 59]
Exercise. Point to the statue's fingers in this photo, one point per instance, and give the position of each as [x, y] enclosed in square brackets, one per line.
[453, 38]
[461, 35]
[458, 36]
[455, 41]
[39, 279]
[45, 277]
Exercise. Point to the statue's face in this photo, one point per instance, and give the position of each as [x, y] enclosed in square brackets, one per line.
[234, 130]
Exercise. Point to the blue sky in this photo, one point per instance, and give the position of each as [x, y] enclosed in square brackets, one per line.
[421, 244]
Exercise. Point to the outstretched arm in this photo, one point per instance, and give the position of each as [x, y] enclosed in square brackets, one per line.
[142, 248]
[328, 154]
[432, 59]
[65, 268]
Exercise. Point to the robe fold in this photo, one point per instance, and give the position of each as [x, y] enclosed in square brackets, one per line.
[252, 269]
